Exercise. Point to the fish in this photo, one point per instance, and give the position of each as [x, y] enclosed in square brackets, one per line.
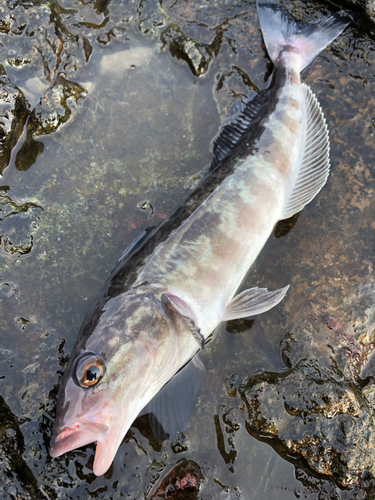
[177, 281]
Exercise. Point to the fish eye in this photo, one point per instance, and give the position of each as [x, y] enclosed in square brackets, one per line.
[89, 369]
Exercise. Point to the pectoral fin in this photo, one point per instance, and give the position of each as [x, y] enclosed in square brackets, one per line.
[253, 301]
[180, 307]
[169, 411]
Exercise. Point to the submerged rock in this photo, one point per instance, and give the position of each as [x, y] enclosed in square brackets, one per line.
[325, 422]
[367, 5]
[13, 114]
[55, 107]
[19, 223]
[16, 477]
[182, 482]
[198, 55]
[145, 129]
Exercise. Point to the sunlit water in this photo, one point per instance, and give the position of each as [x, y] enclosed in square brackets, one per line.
[125, 160]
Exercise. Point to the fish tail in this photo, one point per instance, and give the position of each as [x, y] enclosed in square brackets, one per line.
[281, 31]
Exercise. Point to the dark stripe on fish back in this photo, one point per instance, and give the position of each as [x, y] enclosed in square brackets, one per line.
[234, 130]
[123, 277]
[127, 274]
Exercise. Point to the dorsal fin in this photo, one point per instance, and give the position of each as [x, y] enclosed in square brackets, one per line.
[314, 168]
[231, 132]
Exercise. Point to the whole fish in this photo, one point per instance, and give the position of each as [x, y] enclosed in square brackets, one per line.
[176, 282]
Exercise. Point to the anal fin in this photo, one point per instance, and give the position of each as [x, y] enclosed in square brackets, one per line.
[314, 169]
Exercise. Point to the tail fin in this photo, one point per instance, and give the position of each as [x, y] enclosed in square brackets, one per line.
[280, 29]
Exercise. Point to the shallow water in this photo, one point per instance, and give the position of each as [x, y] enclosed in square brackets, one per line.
[132, 150]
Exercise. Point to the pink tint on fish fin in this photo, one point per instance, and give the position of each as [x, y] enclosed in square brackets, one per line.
[280, 30]
[252, 302]
[178, 305]
[186, 313]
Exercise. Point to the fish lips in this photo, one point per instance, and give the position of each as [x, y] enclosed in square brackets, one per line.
[108, 436]
[81, 434]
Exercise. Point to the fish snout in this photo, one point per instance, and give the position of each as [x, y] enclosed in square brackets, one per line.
[81, 433]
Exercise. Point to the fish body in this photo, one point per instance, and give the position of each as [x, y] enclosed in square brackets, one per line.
[178, 281]
[218, 243]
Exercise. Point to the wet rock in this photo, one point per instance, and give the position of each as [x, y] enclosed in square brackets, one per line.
[233, 89]
[92, 194]
[182, 482]
[152, 17]
[56, 106]
[19, 222]
[16, 477]
[322, 421]
[13, 114]
[370, 9]
[50, 41]
[283, 227]
[29, 153]
[198, 55]
[368, 6]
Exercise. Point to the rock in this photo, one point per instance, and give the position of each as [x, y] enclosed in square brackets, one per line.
[19, 222]
[182, 482]
[370, 9]
[55, 107]
[13, 114]
[325, 422]
[16, 477]
[367, 6]
[198, 55]
[28, 154]
[142, 132]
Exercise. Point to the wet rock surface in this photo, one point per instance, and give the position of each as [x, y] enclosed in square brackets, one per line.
[56, 107]
[124, 99]
[18, 225]
[17, 479]
[325, 422]
[53, 108]
[182, 482]
[198, 55]
[368, 6]
[13, 114]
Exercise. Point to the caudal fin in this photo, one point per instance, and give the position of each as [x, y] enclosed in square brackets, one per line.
[280, 29]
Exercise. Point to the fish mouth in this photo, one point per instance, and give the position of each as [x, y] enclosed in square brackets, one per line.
[81, 434]
[108, 436]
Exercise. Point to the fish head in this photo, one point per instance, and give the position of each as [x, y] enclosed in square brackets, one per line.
[116, 368]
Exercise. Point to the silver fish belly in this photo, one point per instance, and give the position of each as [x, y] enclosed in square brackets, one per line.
[177, 282]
